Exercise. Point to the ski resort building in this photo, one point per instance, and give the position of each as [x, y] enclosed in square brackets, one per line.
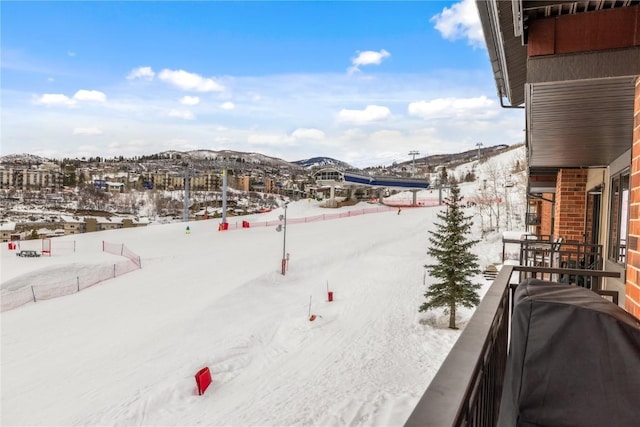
[331, 177]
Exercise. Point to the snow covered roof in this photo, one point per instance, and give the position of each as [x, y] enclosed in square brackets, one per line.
[71, 219]
[8, 226]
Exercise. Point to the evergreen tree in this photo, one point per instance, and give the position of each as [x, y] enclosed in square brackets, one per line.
[451, 248]
[69, 177]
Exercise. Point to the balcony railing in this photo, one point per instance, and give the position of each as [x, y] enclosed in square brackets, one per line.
[467, 388]
[533, 219]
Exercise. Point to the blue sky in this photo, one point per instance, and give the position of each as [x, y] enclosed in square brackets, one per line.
[362, 82]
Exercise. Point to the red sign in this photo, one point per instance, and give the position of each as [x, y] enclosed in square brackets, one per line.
[203, 379]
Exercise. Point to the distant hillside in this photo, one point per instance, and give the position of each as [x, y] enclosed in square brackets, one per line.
[452, 160]
[229, 155]
[322, 162]
[257, 159]
[23, 159]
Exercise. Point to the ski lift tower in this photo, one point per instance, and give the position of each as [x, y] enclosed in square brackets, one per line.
[224, 196]
[479, 145]
[187, 174]
[414, 153]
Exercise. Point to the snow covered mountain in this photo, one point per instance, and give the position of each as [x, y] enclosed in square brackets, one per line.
[322, 162]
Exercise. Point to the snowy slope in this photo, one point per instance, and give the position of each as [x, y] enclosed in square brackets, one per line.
[125, 352]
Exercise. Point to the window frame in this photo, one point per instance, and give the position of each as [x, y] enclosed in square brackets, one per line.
[618, 216]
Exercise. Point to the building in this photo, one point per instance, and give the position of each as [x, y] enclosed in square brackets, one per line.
[207, 181]
[577, 81]
[7, 229]
[73, 224]
[42, 178]
[574, 67]
[240, 183]
[88, 224]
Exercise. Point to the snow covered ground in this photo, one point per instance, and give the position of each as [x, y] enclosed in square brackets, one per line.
[125, 352]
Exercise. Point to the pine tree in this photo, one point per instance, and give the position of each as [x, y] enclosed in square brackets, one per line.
[451, 247]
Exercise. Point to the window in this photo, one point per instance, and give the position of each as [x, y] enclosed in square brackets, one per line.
[592, 219]
[619, 217]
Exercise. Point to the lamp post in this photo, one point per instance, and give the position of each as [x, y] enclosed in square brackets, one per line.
[283, 228]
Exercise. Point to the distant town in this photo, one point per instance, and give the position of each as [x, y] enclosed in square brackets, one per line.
[47, 198]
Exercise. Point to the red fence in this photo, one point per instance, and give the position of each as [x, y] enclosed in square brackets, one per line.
[34, 293]
[11, 300]
[122, 250]
[315, 218]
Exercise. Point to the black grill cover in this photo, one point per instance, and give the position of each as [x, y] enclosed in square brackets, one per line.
[574, 360]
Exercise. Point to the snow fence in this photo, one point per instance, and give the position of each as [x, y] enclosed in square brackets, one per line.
[14, 299]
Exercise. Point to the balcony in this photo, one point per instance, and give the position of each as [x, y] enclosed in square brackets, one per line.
[467, 389]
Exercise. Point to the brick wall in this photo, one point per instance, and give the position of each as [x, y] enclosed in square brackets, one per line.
[632, 300]
[571, 203]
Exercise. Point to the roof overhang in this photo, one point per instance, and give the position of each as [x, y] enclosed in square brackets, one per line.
[586, 123]
[507, 54]
[579, 105]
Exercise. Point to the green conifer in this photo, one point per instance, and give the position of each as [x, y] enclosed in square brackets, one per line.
[455, 263]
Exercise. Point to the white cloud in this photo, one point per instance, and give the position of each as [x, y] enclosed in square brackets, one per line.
[64, 100]
[87, 131]
[259, 139]
[308, 133]
[90, 95]
[469, 108]
[370, 114]
[54, 99]
[368, 57]
[190, 81]
[181, 114]
[227, 106]
[352, 135]
[386, 136]
[179, 144]
[460, 21]
[189, 100]
[283, 122]
[222, 140]
[145, 73]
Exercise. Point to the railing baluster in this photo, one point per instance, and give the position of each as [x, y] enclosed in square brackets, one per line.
[467, 388]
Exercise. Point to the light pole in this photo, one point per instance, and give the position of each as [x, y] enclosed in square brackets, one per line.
[283, 228]
[479, 144]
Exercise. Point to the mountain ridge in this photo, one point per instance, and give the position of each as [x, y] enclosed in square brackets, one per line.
[262, 159]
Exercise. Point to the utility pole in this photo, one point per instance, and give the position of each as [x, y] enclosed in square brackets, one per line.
[414, 153]
[479, 144]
